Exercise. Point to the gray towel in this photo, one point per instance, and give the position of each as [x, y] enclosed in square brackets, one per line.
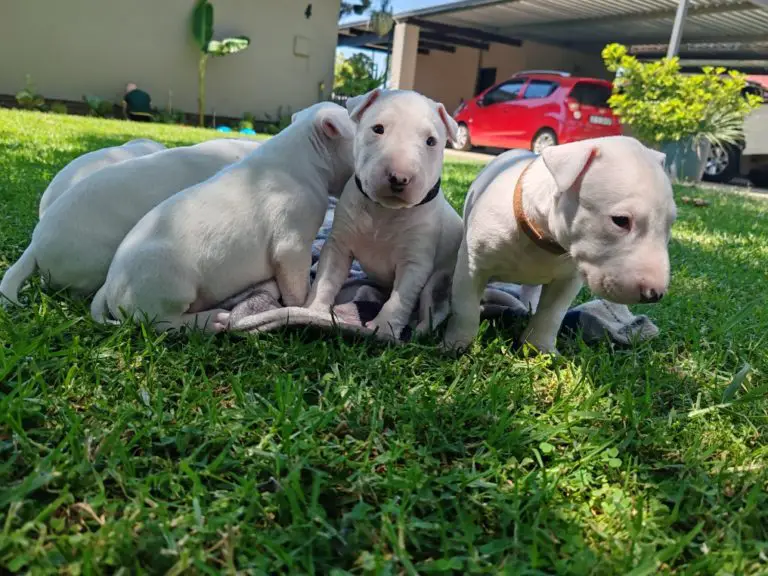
[259, 310]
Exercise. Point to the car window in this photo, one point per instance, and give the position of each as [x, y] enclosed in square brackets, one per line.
[504, 92]
[589, 94]
[539, 89]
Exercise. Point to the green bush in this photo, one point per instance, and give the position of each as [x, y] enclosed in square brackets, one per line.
[99, 107]
[28, 98]
[279, 121]
[168, 116]
[59, 108]
[662, 105]
[247, 123]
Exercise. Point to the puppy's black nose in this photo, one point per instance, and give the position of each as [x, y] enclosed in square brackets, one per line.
[398, 182]
[650, 296]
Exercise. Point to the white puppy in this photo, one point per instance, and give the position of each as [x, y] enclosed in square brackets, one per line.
[392, 216]
[74, 242]
[89, 163]
[253, 221]
[598, 211]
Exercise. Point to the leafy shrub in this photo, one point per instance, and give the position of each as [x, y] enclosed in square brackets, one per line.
[59, 108]
[28, 98]
[98, 106]
[662, 105]
[279, 121]
[247, 123]
[168, 116]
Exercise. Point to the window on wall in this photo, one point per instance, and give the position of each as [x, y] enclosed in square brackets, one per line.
[540, 89]
[504, 92]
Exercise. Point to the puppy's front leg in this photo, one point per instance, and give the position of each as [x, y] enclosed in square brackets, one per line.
[410, 278]
[555, 299]
[332, 271]
[466, 293]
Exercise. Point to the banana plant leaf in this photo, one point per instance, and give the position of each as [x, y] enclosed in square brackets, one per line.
[227, 46]
[202, 24]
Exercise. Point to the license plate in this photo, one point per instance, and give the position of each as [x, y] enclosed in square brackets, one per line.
[601, 120]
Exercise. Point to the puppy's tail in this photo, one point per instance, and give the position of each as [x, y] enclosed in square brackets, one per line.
[17, 274]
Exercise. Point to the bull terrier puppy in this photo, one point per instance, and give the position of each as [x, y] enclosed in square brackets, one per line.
[392, 216]
[74, 242]
[597, 211]
[89, 163]
[250, 223]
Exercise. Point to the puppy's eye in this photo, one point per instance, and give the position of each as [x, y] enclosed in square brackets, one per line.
[378, 129]
[623, 222]
[431, 141]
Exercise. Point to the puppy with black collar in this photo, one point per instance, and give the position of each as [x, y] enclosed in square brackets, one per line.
[392, 216]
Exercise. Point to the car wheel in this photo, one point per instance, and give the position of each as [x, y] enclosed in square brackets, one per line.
[462, 139]
[722, 163]
[544, 139]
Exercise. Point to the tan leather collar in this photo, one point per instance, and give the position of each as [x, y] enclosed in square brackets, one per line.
[530, 229]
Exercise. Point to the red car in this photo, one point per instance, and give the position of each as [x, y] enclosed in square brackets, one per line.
[537, 109]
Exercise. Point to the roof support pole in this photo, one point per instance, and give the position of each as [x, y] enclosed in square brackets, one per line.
[677, 29]
[404, 55]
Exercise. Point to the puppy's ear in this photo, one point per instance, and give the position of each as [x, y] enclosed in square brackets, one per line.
[660, 157]
[568, 163]
[359, 104]
[336, 124]
[451, 127]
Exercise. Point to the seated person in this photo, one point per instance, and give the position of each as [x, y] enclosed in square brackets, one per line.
[137, 104]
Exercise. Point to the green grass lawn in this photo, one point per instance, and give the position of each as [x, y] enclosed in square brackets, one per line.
[291, 453]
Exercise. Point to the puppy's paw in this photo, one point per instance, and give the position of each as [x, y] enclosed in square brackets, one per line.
[536, 347]
[221, 322]
[385, 327]
[455, 343]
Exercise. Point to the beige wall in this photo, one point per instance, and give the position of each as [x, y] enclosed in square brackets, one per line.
[447, 77]
[74, 47]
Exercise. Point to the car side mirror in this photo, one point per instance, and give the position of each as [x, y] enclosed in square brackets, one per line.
[484, 101]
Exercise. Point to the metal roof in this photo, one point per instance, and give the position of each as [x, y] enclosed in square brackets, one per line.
[590, 24]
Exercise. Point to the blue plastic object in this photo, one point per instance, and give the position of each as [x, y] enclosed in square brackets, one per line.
[247, 131]
[224, 129]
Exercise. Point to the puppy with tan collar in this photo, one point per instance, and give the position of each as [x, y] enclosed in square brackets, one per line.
[597, 211]
[252, 222]
[392, 216]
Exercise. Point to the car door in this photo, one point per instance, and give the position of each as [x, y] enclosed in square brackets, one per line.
[487, 124]
[531, 112]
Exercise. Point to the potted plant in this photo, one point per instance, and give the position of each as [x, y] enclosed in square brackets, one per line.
[680, 115]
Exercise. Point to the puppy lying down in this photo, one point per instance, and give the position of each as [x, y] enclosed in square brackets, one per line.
[74, 242]
[91, 162]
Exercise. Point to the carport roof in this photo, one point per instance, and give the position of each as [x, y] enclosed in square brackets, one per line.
[721, 28]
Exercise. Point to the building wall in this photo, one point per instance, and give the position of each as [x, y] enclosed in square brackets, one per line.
[76, 47]
[449, 77]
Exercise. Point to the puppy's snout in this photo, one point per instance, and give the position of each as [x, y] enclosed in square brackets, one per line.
[398, 181]
[650, 295]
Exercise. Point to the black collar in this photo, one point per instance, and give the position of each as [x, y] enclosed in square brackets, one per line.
[431, 195]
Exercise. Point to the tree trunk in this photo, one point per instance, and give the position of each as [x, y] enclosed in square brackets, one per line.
[201, 88]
